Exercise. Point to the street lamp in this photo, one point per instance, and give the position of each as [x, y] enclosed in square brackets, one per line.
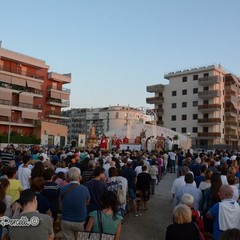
[10, 120]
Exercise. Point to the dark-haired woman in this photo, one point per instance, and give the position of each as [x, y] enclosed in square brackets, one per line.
[111, 221]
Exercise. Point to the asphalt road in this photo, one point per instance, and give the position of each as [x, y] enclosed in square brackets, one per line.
[153, 222]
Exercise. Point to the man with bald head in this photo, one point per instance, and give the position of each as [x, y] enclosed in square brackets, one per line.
[226, 214]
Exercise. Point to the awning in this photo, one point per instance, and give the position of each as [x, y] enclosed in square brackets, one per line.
[56, 95]
[5, 112]
[25, 98]
[34, 84]
[65, 96]
[30, 115]
[5, 95]
[5, 78]
[19, 81]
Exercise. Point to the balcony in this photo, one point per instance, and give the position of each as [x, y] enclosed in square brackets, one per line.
[207, 81]
[209, 94]
[66, 90]
[35, 92]
[231, 137]
[159, 112]
[17, 70]
[231, 125]
[64, 78]
[17, 122]
[19, 105]
[54, 114]
[231, 88]
[155, 88]
[231, 112]
[209, 135]
[209, 107]
[58, 102]
[154, 100]
[209, 121]
[231, 98]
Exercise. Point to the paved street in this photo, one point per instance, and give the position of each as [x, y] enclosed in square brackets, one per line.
[152, 224]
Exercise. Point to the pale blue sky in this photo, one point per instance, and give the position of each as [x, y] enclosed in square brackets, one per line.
[115, 48]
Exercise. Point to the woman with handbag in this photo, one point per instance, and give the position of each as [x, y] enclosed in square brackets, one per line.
[106, 221]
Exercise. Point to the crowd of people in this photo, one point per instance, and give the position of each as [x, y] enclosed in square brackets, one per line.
[82, 184]
[206, 196]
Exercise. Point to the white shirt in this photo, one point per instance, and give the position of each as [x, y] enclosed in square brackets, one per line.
[24, 175]
[179, 182]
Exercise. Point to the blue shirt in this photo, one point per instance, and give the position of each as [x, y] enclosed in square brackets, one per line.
[74, 208]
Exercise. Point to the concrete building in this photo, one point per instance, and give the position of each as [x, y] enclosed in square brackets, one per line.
[104, 119]
[202, 103]
[31, 99]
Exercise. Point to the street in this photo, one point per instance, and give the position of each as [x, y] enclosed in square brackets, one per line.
[153, 222]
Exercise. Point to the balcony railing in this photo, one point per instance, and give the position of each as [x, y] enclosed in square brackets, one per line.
[19, 104]
[159, 112]
[155, 88]
[19, 71]
[207, 81]
[17, 121]
[55, 114]
[66, 90]
[154, 100]
[209, 107]
[58, 102]
[209, 121]
[20, 88]
[209, 94]
[231, 98]
[230, 111]
[209, 134]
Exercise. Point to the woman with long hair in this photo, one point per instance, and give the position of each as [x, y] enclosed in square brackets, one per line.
[210, 197]
[111, 220]
[37, 170]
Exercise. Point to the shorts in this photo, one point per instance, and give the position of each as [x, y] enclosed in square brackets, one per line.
[132, 193]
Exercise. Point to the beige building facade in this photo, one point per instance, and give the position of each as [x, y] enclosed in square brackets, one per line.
[202, 103]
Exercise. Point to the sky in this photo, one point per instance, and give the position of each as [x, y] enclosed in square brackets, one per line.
[115, 48]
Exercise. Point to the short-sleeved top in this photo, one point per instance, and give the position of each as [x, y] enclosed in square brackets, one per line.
[96, 189]
[130, 175]
[109, 223]
[24, 175]
[43, 205]
[14, 189]
[74, 207]
[39, 232]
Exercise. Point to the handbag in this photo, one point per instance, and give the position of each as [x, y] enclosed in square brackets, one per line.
[84, 235]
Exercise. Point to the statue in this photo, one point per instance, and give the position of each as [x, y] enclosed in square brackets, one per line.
[143, 133]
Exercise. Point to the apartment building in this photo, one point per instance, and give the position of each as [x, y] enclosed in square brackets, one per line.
[31, 99]
[104, 119]
[202, 103]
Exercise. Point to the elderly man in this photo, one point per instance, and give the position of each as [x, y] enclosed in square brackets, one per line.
[226, 214]
[75, 198]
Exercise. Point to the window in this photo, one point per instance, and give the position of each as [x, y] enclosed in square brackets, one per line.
[194, 116]
[117, 114]
[184, 130]
[194, 129]
[205, 88]
[173, 129]
[174, 105]
[195, 77]
[174, 117]
[184, 79]
[184, 104]
[184, 92]
[195, 103]
[205, 74]
[205, 102]
[184, 117]
[174, 93]
[195, 90]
